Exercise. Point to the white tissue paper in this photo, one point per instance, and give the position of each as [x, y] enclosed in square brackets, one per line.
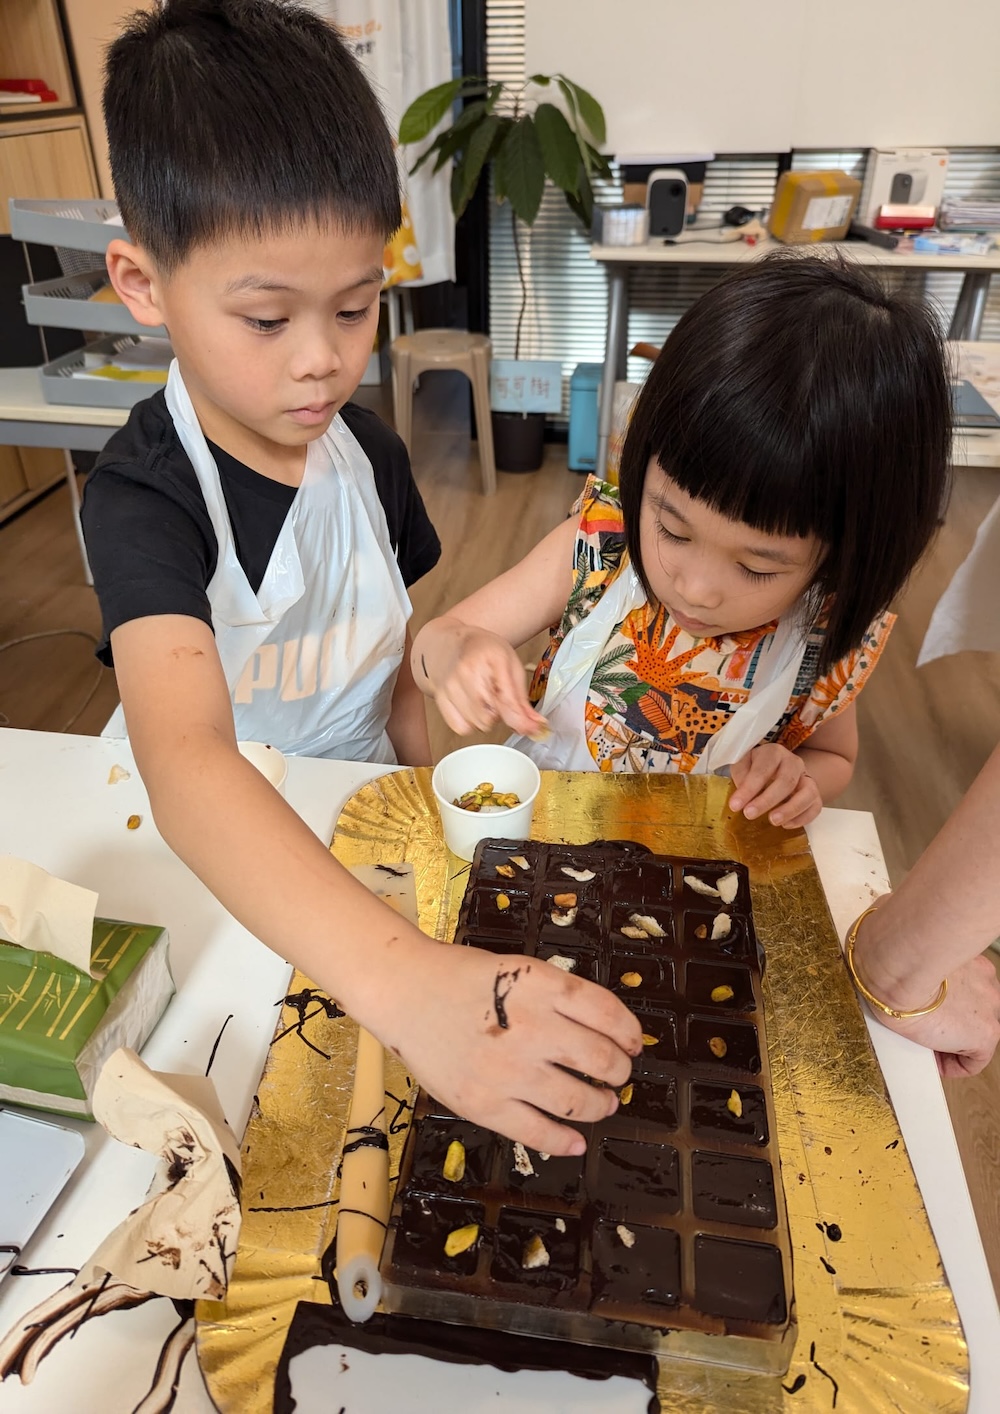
[46, 914]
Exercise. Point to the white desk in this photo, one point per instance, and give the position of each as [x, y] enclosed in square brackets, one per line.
[619, 260]
[57, 809]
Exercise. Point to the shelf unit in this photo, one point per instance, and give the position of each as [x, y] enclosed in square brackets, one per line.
[45, 152]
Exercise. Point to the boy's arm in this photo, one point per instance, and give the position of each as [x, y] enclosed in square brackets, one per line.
[407, 724]
[431, 1003]
[465, 659]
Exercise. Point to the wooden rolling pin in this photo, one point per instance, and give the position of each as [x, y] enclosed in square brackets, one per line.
[363, 1214]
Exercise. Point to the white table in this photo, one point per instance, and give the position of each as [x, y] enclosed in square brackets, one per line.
[57, 809]
[619, 260]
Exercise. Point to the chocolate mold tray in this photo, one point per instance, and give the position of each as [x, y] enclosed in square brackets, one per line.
[670, 1234]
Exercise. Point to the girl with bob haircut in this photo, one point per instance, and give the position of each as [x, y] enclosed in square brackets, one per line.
[785, 468]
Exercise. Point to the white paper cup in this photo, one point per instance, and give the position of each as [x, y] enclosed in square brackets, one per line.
[268, 760]
[463, 770]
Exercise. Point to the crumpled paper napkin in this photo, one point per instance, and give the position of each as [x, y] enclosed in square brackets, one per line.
[182, 1241]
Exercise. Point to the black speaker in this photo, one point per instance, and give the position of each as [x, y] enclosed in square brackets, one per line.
[666, 198]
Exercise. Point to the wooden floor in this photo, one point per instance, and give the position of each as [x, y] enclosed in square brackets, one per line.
[924, 735]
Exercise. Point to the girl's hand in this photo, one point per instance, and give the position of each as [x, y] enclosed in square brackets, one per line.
[498, 1039]
[475, 677]
[771, 780]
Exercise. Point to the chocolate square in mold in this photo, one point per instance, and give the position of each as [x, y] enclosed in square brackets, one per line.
[556, 1176]
[739, 1280]
[486, 917]
[728, 1189]
[711, 874]
[499, 852]
[586, 961]
[653, 882]
[585, 928]
[560, 1235]
[735, 946]
[424, 1224]
[740, 1038]
[711, 1117]
[660, 1041]
[702, 978]
[635, 1175]
[647, 1271]
[430, 1150]
[655, 974]
[621, 916]
[653, 1100]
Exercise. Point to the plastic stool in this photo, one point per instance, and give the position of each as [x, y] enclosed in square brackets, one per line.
[431, 349]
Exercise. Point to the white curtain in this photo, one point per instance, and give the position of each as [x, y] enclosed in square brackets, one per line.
[406, 47]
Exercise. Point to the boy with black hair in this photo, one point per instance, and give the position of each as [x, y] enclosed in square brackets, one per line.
[251, 535]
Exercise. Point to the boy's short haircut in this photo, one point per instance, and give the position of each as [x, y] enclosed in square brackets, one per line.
[241, 117]
[801, 397]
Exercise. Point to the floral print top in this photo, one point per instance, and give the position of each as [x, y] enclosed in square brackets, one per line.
[658, 694]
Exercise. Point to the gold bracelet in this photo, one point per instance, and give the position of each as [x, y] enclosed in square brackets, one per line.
[870, 998]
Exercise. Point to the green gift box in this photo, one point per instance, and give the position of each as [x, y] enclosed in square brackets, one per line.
[59, 1025]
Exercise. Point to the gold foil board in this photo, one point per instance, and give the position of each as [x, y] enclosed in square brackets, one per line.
[875, 1315]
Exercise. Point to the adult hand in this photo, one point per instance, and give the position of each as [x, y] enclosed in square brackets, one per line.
[771, 780]
[497, 1037]
[964, 1031]
[476, 679]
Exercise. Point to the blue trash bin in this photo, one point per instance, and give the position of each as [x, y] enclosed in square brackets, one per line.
[584, 392]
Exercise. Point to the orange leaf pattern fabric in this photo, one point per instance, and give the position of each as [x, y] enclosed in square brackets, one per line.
[658, 695]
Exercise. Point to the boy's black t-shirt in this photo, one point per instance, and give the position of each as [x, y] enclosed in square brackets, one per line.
[150, 541]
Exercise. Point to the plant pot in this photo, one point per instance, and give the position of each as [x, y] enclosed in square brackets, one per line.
[518, 440]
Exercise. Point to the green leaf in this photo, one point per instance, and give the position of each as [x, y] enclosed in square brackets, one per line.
[520, 170]
[614, 657]
[599, 164]
[570, 98]
[473, 160]
[424, 157]
[458, 135]
[542, 80]
[581, 202]
[591, 112]
[425, 112]
[559, 150]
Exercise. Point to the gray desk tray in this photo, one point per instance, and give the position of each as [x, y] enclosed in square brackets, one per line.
[74, 225]
[58, 385]
[65, 303]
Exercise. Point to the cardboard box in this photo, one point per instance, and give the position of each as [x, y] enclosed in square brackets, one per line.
[903, 176]
[59, 1025]
[813, 206]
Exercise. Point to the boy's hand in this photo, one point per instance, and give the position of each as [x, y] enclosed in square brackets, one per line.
[771, 780]
[477, 679]
[495, 1037]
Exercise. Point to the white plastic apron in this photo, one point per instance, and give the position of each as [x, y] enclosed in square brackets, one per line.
[573, 667]
[311, 658]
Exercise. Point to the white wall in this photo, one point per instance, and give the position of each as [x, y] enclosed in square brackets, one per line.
[686, 76]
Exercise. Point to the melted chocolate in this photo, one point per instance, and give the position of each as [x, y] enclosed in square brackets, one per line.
[648, 1230]
[315, 1325]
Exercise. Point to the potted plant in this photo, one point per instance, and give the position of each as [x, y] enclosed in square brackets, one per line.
[528, 142]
